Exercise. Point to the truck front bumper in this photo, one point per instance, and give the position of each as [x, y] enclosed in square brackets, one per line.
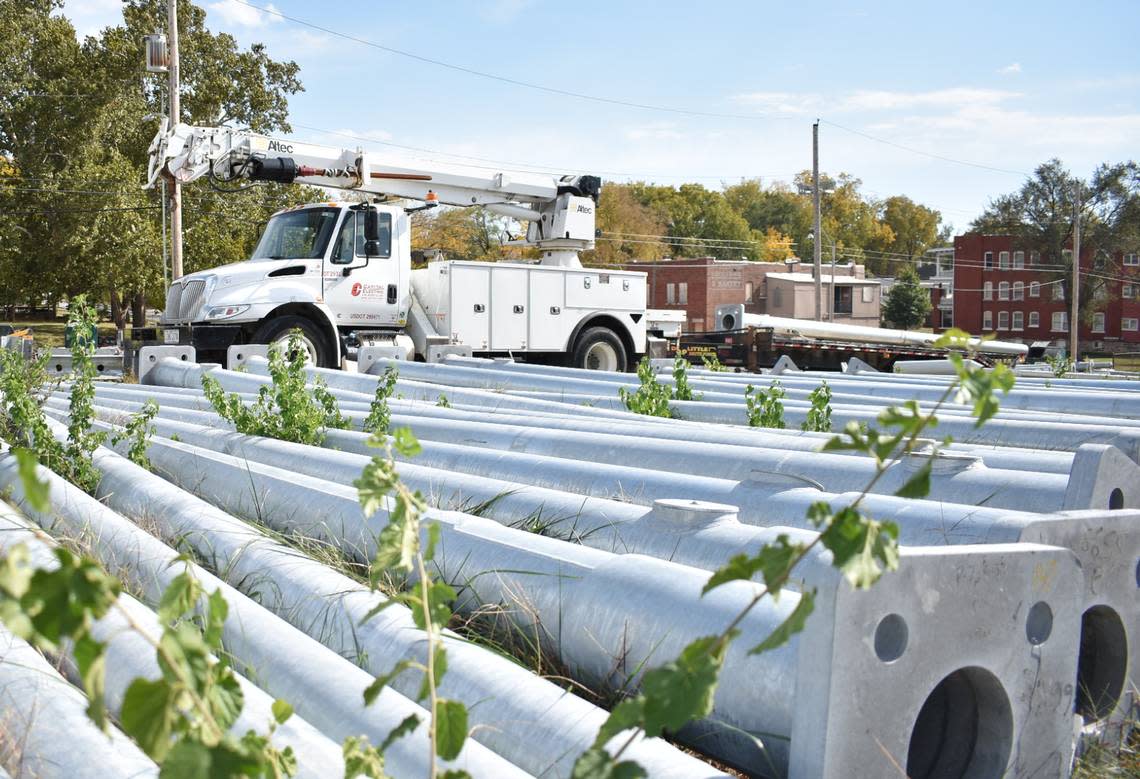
[204, 338]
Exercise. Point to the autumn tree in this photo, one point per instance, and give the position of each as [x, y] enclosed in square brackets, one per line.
[698, 221]
[915, 227]
[629, 229]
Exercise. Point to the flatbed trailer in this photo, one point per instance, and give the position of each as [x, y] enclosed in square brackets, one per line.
[754, 348]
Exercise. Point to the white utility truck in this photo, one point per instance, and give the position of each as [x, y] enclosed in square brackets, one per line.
[342, 273]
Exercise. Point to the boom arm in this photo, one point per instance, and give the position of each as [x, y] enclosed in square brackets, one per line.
[559, 210]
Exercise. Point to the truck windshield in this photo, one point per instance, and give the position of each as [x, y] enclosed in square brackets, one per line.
[296, 235]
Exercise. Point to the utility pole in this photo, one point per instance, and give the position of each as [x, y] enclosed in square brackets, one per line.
[175, 184]
[817, 234]
[1074, 321]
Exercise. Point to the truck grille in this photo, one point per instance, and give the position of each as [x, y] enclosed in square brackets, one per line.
[173, 295]
[193, 296]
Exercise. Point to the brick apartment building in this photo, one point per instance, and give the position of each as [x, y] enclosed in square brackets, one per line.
[785, 289]
[1001, 289]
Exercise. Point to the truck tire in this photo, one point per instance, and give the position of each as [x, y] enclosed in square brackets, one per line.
[277, 330]
[599, 349]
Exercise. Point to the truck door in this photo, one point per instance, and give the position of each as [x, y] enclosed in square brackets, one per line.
[369, 296]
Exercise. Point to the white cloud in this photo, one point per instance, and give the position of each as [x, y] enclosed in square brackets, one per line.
[955, 97]
[233, 12]
[660, 131]
[503, 11]
[1011, 69]
[779, 102]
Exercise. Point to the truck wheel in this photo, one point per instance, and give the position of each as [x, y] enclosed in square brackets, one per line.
[599, 349]
[312, 339]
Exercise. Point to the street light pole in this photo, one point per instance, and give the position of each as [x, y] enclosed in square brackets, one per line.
[175, 113]
[1074, 323]
[818, 232]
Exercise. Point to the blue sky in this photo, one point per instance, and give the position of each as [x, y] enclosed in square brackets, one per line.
[1002, 85]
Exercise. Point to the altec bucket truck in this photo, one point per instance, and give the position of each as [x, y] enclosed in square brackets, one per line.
[342, 274]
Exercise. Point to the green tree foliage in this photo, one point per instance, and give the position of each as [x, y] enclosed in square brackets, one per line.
[907, 303]
[693, 212]
[1040, 217]
[915, 227]
[628, 228]
[765, 408]
[74, 139]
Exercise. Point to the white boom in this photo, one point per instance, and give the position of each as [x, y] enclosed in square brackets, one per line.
[559, 210]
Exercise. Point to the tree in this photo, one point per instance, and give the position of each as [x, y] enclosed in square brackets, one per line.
[850, 222]
[629, 228]
[460, 233]
[700, 221]
[1040, 218]
[907, 304]
[72, 127]
[915, 227]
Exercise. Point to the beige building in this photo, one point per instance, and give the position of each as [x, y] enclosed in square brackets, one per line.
[851, 299]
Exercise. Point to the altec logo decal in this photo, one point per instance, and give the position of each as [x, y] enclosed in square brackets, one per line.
[357, 288]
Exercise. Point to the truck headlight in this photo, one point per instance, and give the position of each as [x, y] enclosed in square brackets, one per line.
[225, 312]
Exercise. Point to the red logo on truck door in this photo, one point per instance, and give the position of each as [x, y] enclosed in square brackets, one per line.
[357, 288]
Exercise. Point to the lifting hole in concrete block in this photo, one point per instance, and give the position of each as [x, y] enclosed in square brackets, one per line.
[1116, 499]
[1102, 664]
[890, 638]
[965, 728]
[1039, 623]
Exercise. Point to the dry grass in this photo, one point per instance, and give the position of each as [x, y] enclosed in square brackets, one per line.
[1101, 761]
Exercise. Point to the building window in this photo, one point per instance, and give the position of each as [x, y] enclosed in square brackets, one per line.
[748, 292]
[1067, 257]
[988, 291]
[1058, 290]
[1098, 322]
[1060, 322]
[1034, 289]
[1131, 324]
[1035, 258]
[1126, 292]
[1003, 290]
[947, 318]
[1018, 291]
[1003, 320]
[868, 294]
[843, 299]
[1018, 260]
[1034, 319]
[670, 294]
[777, 297]
[1003, 261]
[987, 320]
[989, 260]
[1018, 320]
[1132, 259]
[683, 293]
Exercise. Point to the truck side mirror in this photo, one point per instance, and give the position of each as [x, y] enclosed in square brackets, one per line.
[372, 247]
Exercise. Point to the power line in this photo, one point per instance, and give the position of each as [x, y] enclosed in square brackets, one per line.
[506, 79]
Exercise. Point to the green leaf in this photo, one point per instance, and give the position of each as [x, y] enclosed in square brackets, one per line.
[439, 596]
[404, 441]
[439, 668]
[862, 548]
[629, 713]
[918, 485]
[148, 714]
[282, 711]
[178, 599]
[434, 531]
[792, 624]
[16, 571]
[597, 763]
[91, 660]
[35, 490]
[406, 726]
[191, 759]
[375, 482]
[774, 561]
[216, 612]
[362, 759]
[682, 690]
[372, 691]
[225, 697]
[450, 728]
